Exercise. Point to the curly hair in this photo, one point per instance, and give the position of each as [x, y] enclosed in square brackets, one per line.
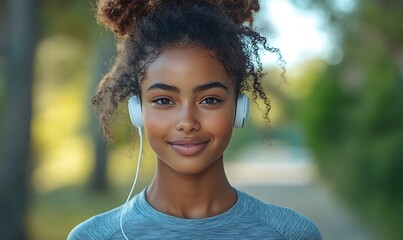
[145, 28]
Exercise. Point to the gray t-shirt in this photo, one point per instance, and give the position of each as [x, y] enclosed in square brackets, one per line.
[249, 218]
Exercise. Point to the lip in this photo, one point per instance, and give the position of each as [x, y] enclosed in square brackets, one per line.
[188, 146]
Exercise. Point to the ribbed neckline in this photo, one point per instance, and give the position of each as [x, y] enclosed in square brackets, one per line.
[143, 207]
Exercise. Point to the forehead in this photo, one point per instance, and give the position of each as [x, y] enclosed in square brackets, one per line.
[186, 67]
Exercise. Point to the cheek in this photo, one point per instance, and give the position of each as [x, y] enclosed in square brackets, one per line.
[220, 123]
[154, 125]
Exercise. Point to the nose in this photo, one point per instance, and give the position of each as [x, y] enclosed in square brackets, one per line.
[187, 120]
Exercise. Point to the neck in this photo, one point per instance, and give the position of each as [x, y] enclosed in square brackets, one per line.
[200, 195]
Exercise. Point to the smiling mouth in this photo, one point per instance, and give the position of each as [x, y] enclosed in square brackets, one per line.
[188, 147]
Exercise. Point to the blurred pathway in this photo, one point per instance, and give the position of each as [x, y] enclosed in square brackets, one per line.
[288, 178]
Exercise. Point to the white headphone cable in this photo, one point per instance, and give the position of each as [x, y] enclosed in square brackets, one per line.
[134, 184]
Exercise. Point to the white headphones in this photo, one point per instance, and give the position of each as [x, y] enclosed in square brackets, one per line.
[241, 114]
[136, 116]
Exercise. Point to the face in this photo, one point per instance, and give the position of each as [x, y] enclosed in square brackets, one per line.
[188, 106]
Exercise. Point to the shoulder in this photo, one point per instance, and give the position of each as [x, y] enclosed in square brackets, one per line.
[288, 223]
[101, 226]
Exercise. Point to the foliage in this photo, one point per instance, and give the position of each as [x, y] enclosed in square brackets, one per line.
[354, 122]
[72, 17]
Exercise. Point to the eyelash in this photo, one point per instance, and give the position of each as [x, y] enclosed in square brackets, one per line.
[217, 100]
[158, 100]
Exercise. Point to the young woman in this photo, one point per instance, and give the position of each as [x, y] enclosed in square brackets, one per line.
[187, 63]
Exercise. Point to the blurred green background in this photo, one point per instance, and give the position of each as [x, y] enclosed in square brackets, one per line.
[342, 105]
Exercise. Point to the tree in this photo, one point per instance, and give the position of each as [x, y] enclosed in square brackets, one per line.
[102, 59]
[354, 118]
[22, 35]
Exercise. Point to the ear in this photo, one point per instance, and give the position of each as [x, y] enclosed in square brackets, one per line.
[136, 116]
[242, 111]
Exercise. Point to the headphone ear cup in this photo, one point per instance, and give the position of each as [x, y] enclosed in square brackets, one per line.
[242, 111]
[135, 113]
[241, 115]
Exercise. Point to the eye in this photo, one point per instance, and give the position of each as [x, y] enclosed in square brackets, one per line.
[163, 101]
[211, 101]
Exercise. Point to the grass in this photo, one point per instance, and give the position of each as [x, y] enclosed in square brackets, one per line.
[54, 214]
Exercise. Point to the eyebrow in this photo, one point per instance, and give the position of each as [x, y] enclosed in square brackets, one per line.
[207, 86]
[164, 87]
[199, 88]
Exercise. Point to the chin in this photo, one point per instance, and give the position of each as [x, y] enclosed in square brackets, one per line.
[190, 170]
[190, 166]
